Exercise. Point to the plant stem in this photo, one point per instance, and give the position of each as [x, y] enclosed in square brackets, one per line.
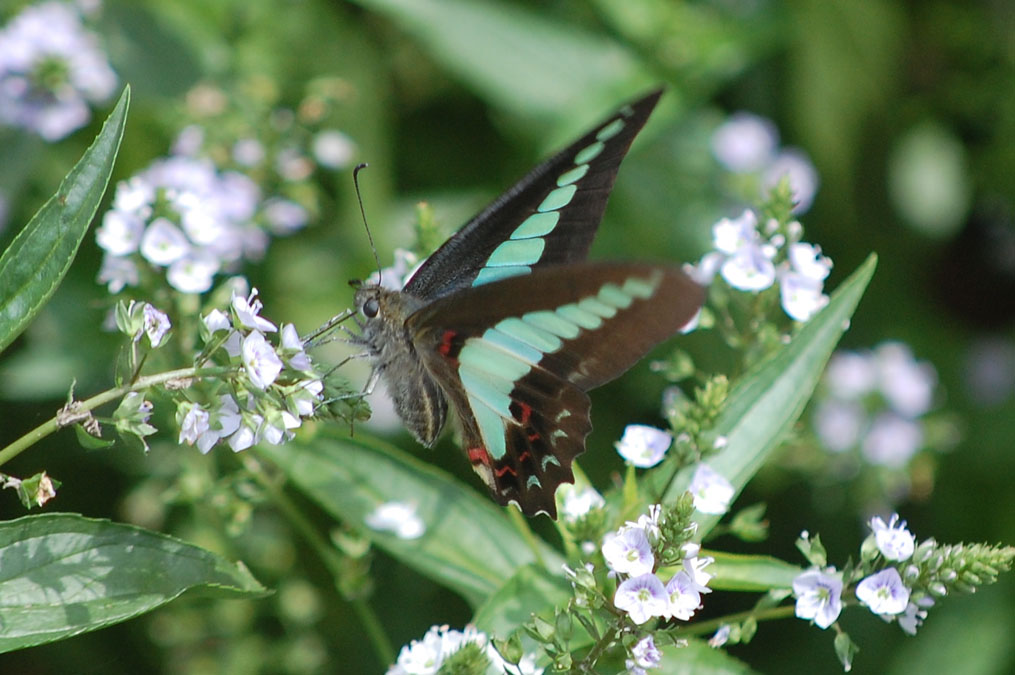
[52, 425]
[332, 560]
[706, 627]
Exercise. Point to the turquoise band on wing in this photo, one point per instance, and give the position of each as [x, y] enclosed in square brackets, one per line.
[509, 259]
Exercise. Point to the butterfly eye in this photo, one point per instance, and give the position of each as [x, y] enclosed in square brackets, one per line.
[371, 308]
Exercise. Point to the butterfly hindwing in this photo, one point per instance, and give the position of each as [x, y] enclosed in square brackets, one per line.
[516, 357]
[549, 217]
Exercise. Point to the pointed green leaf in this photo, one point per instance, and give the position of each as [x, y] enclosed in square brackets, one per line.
[63, 574]
[768, 400]
[469, 544]
[749, 573]
[532, 589]
[36, 261]
[698, 658]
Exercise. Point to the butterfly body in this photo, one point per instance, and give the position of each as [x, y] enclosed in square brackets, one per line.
[508, 326]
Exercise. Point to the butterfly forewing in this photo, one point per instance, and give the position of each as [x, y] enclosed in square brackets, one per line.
[549, 217]
[516, 357]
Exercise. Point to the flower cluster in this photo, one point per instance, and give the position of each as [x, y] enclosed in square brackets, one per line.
[897, 579]
[874, 401]
[748, 146]
[183, 217]
[631, 554]
[51, 69]
[753, 259]
[442, 648]
[819, 592]
[277, 390]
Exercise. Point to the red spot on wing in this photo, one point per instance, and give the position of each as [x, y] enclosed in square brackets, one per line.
[446, 346]
[503, 470]
[522, 457]
[526, 412]
[479, 456]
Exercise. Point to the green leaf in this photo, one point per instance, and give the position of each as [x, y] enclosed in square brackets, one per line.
[36, 261]
[697, 658]
[469, 545]
[517, 58]
[765, 403]
[749, 573]
[531, 590]
[63, 574]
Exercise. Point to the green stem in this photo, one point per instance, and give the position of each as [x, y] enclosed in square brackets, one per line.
[142, 383]
[707, 627]
[329, 556]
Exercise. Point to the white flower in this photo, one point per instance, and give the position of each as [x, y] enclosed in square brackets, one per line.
[807, 260]
[215, 321]
[643, 655]
[908, 385]
[892, 440]
[248, 434]
[712, 492]
[292, 348]
[426, 656]
[401, 270]
[285, 216]
[839, 423]
[260, 360]
[399, 518]
[915, 613]
[819, 596]
[118, 272]
[801, 296]
[156, 325]
[120, 233]
[247, 311]
[421, 657]
[577, 503]
[193, 273]
[884, 592]
[227, 420]
[195, 423]
[851, 375]
[643, 446]
[721, 636]
[745, 142]
[163, 243]
[694, 567]
[749, 269]
[731, 235]
[134, 196]
[307, 396]
[642, 598]
[280, 430]
[50, 68]
[628, 551]
[333, 149]
[682, 596]
[893, 539]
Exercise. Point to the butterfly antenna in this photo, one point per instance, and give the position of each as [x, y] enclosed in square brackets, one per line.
[363, 213]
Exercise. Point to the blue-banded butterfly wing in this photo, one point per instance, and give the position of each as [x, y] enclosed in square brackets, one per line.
[548, 217]
[516, 356]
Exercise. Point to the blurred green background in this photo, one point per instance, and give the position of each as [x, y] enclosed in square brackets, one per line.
[907, 110]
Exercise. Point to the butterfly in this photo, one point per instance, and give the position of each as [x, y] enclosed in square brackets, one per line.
[508, 326]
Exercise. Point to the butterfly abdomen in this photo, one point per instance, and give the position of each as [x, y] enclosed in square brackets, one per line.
[418, 398]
